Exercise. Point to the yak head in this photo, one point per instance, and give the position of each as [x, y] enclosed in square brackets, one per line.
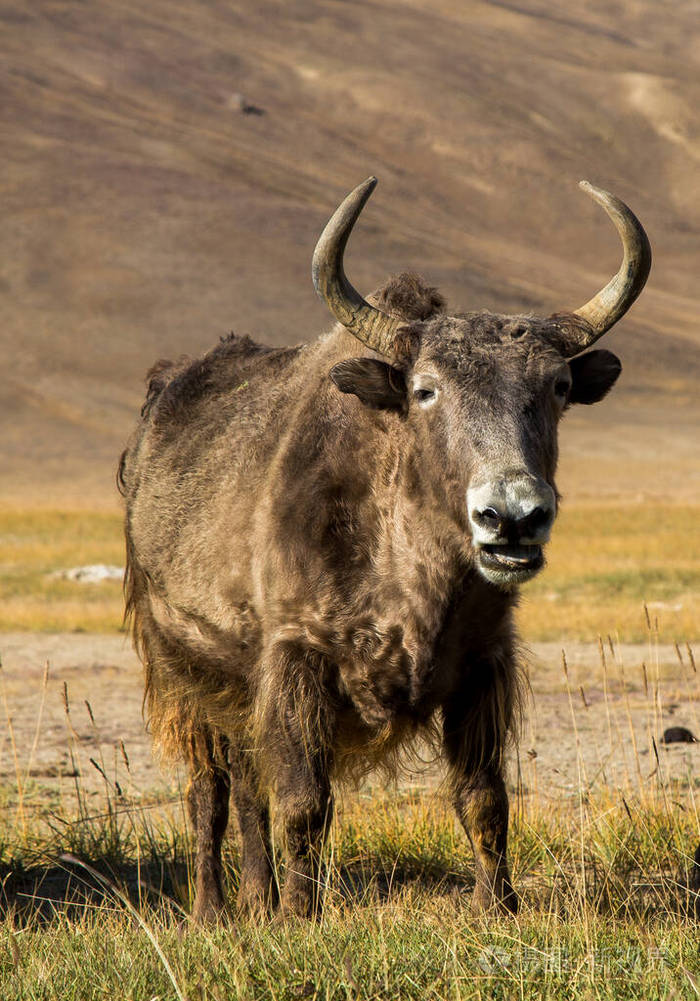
[481, 393]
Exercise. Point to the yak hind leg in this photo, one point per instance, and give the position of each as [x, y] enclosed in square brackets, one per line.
[474, 734]
[257, 891]
[208, 805]
[180, 730]
[296, 720]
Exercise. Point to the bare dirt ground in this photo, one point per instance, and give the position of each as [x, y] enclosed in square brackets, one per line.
[594, 733]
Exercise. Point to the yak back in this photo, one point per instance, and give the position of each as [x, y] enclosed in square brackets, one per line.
[176, 390]
[191, 404]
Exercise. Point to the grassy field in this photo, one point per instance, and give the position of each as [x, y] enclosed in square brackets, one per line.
[96, 867]
[604, 564]
[35, 546]
[95, 905]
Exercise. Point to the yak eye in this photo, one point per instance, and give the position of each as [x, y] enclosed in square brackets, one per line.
[423, 395]
[425, 389]
[561, 387]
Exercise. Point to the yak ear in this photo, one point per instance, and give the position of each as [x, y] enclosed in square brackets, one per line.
[593, 376]
[377, 384]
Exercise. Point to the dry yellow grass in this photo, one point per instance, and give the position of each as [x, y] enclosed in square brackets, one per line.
[605, 563]
[34, 546]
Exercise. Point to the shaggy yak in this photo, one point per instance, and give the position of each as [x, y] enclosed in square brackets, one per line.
[325, 544]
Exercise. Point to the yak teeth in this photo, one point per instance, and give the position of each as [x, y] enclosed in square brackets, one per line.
[513, 557]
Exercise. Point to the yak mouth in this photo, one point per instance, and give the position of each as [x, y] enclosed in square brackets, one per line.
[506, 565]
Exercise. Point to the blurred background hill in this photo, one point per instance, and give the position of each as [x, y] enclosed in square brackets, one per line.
[167, 168]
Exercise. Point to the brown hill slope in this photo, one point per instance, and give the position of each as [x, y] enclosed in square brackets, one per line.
[146, 212]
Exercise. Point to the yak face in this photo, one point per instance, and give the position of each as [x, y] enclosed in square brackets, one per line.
[482, 396]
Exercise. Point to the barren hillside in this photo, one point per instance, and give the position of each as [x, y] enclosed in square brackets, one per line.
[168, 166]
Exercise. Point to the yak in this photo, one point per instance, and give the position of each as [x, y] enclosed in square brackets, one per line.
[324, 549]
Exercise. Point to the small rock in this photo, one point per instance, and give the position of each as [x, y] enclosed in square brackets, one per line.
[678, 735]
[95, 573]
[238, 102]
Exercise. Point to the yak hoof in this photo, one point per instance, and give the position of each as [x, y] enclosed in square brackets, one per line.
[209, 909]
[255, 902]
[486, 903]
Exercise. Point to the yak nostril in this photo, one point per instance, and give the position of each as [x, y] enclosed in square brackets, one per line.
[537, 519]
[489, 517]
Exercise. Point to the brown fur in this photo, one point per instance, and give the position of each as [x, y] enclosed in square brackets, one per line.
[694, 884]
[301, 581]
[407, 297]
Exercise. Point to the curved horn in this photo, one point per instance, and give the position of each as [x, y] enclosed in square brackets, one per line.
[613, 301]
[369, 324]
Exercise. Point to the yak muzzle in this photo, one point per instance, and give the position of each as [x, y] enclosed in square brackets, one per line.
[510, 518]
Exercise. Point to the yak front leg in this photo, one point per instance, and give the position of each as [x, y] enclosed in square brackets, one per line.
[481, 803]
[306, 814]
[475, 728]
[297, 728]
[207, 804]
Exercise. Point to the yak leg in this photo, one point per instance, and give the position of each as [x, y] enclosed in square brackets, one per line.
[473, 741]
[306, 806]
[258, 890]
[297, 727]
[481, 803]
[207, 804]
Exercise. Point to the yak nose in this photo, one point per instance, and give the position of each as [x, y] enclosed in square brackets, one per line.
[529, 526]
[513, 511]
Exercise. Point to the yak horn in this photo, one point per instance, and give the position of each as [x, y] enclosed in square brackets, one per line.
[613, 301]
[370, 325]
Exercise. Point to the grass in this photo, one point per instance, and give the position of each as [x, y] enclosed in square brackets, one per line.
[95, 892]
[34, 546]
[606, 922]
[604, 564]
[95, 879]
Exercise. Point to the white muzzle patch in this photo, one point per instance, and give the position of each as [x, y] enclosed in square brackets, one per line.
[511, 518]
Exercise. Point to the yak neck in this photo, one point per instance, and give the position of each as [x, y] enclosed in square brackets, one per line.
[421, 547]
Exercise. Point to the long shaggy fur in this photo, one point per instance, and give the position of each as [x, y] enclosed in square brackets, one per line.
[182, 699]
